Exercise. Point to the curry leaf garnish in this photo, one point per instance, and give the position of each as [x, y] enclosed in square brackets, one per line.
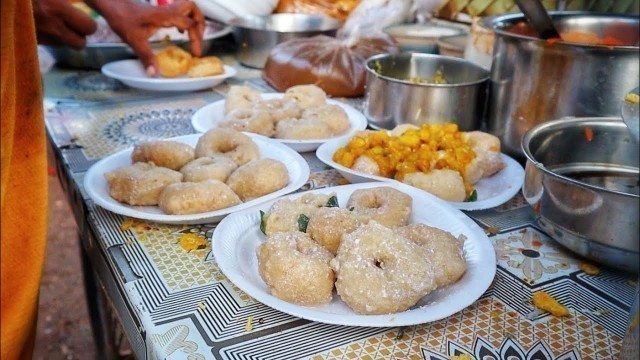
[263, 222]
[332, 202]
[472, 197]
[303, 221]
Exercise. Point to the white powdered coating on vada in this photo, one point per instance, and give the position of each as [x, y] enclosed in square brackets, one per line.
[283, 214]
[216, 167]
[444, 250]
[232, 143]
[327, 225]
[385, 205]
[302, 129]
[280, 109]
[380, 272]
[332, 115]
[196, 197]
[240, 97]
[140, 183]
[258, 177]
[165, 153]
[251, 120]
[444, 183]
[296, 268]
[307, 96]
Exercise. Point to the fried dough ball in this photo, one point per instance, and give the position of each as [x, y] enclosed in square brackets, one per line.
[487, 161]
[251, 120]
[296, 268]
[217, 167]
[232, 143]
[196, 197]
[444, 250]
[385, 205]
[280, 109]
[327, 225]
[170, 154]
[258, 177]
[381, 272]
[240, 97]
[302, 129]
[330, 114]
[444, 183]
[307, 96]
[283, 214]
[367, 165]
[140, 183]
[173, 61]
[205, 66]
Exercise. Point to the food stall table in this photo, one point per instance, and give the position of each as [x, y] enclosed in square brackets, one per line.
[171, 303]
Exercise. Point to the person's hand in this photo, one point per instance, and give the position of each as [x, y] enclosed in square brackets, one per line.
[135, 22]
[60, 23]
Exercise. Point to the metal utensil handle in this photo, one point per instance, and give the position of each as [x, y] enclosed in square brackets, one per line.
[539, 18]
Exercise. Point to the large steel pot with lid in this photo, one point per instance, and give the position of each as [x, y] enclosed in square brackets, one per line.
[533, 80]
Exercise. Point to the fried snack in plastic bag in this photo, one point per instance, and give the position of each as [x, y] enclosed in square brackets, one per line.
[338, 9]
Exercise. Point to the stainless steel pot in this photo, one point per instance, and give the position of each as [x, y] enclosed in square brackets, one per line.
[399, 90]
[533, 81]
[581, 178]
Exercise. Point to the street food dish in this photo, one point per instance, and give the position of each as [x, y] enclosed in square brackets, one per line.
[140, 183]
[174, 61]
[238, 236]
[384, 205]
[98, 187]
[214, 167]
[489, 190]
[258, 177]
[170, 154]
[197, 197]
[246, 109]
[228, 142]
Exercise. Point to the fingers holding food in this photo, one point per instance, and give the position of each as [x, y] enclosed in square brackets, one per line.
[166, 153]
[196, 197]
[140, 183]
[173, 61]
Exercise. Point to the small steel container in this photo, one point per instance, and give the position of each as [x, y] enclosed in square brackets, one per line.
[399, 90]
[257, 35]
[581, 178]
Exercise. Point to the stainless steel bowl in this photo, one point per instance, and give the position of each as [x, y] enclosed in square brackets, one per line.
[533, 81]
[257, 35]
[399, 91]
[581, 178]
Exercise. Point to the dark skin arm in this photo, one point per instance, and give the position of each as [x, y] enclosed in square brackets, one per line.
[59, 23]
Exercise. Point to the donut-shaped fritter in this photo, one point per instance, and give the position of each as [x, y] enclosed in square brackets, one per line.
[296, 268]
[330, 114]
[196, 197]
[240, 97]
[380, 272]
[280, 109]
[442, 249]
[283, 214]
[173, 61]
[302, 129]
[170, 154]
[140, 183]
[251, 120]
[217, 167]
[258, 177]
[307, 96]
[327, 225]
[385, 205]
[232, 143]
[444, 183]
[205, 66]
[487, 161]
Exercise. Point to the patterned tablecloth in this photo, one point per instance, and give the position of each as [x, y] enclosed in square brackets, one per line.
[177, 304]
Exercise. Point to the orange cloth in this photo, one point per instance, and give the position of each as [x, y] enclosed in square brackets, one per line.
[24, 180]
